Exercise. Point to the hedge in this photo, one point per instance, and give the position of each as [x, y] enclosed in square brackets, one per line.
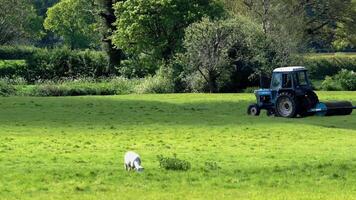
[16, 52]
[61, 63]
[52, 64]
[322, 65]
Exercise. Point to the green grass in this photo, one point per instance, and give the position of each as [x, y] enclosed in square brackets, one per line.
[72, 148]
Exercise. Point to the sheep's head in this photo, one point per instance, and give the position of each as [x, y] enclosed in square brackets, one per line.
[139, 169]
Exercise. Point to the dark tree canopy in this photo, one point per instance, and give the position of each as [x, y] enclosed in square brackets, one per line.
[18, 22]
[156, 27]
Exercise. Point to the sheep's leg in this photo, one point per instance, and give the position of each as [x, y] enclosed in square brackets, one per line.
[126, 168]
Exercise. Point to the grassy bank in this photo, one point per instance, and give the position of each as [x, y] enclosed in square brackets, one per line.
[72, 148]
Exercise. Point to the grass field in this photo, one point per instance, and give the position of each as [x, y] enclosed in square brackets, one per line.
[72, 148]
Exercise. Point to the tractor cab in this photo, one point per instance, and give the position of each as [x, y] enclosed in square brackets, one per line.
[290, 78]
[293, 84]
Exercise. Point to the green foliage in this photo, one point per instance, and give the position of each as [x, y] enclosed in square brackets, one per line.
[162, 82]
[344, 80]
[156, 27]
[80, 87]
[16, 52]
[321, 65]
[250, 89]
[329, 84]
[139, 66]
[227, 52]
[75, 21]
[173, 163]
[347, 80]
[6, 89]
[59, 63]
[211, 166]
[331, 21]
[18, 22]
[12, 68]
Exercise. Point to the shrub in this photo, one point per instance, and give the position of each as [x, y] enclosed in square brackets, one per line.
[6, 89]
[173, 163]
[162, 82]
[60, 63]
[329, 84]
[16, 52]
[211, 166]
[12, 68]
[250, 89]
[344, 80]
[347, 80]
[81, 87]
[322, 65]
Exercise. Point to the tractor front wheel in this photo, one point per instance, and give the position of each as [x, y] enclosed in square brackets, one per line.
[253, 110]
[286, 106]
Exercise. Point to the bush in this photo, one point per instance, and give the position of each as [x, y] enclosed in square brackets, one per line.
[250, 89]
[344, 80]
[322, 65]
[60, 63]
[12, 68]
[6, 89]
[162, 82]
[82, 87]
[16, 52]
[211, 166]
[329, 84]
[173, 163]
[347, 80]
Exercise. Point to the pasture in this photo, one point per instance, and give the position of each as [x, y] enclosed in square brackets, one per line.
[73, 147]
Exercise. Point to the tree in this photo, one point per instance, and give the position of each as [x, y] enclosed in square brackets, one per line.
[43, 5]
[325, 19]
[316, 24]
[229, 53]
[18, 22]
[156, 27]
[212, 46]
[75, 21]
[108, 18]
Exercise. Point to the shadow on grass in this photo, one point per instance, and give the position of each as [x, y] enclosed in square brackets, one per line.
[83, 111]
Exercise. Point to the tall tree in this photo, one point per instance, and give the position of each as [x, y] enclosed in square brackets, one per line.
[216, 49]
[325, 17]
[156, 27]
[108, 18]
[18, 22]
[75, 21]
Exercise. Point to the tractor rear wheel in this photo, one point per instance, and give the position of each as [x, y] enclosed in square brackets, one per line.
[286, 106]
[309, 101]
[254, 110]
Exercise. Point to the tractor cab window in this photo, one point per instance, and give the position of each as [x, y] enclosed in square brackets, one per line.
[287, 81]
[280, 80]
[276, 81]
[301, 78]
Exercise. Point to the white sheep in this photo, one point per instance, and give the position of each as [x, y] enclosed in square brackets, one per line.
[133, 161]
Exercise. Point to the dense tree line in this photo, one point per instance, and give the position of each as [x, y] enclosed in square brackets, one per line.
[202, 42]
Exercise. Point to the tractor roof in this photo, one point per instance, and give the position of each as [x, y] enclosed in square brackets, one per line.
[290, 69]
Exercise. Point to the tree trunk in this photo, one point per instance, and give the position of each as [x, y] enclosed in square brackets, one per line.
[212, 82]
[115, 55]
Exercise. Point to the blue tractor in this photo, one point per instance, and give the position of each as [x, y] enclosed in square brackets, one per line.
[291, 95]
